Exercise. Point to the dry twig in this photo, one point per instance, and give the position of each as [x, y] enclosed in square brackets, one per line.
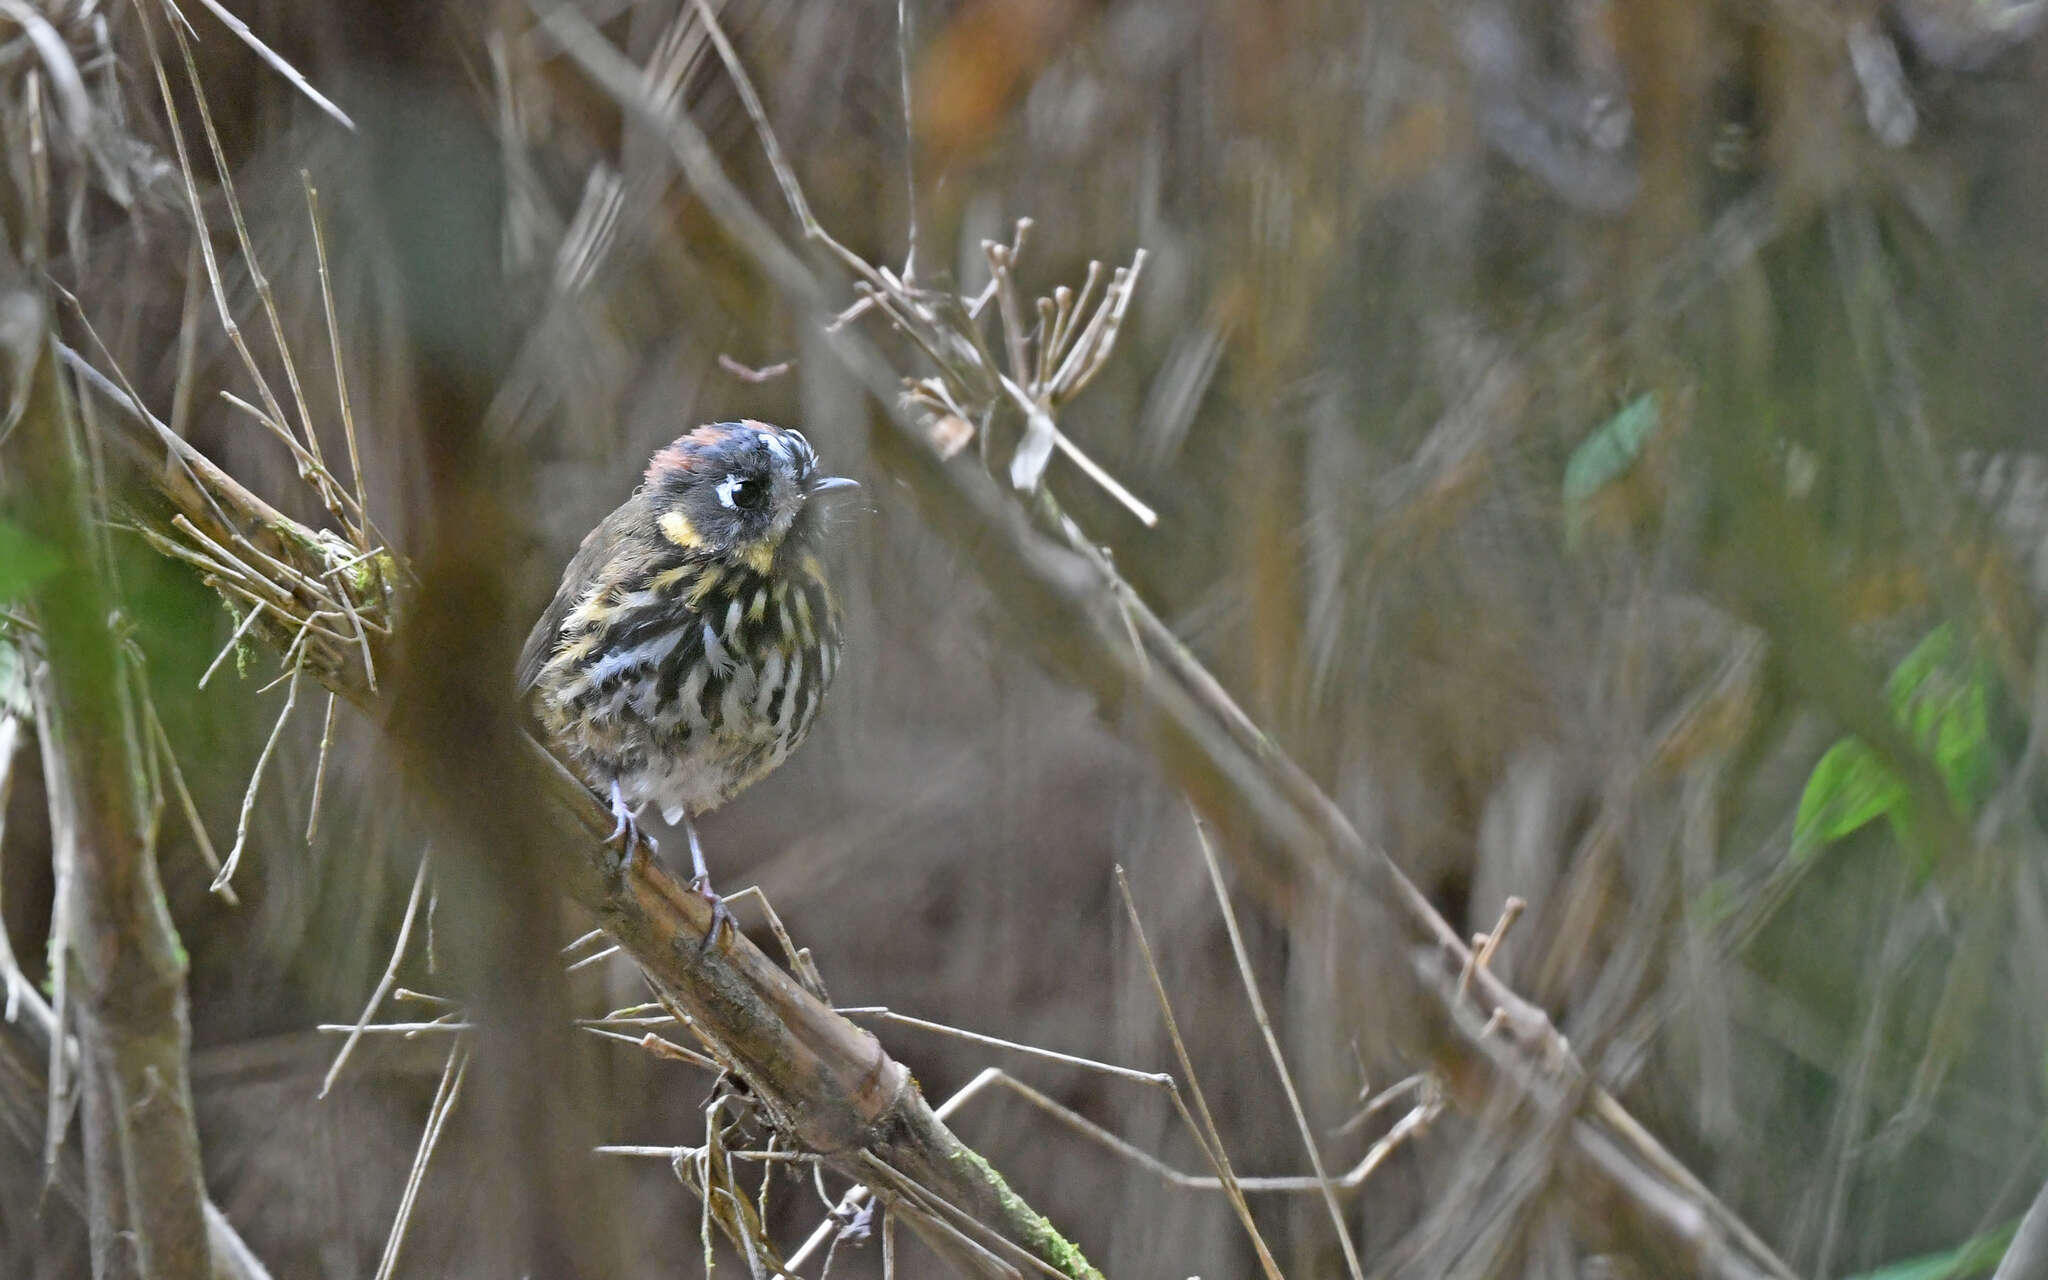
[825, 1083]
[119, 968]
[1258, 1003]
[1084, 617]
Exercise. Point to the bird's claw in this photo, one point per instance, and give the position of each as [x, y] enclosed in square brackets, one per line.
[720, 917]
[627, 833]
[855, 1224]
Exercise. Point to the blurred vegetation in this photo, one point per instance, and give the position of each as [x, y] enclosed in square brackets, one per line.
[1601, 441]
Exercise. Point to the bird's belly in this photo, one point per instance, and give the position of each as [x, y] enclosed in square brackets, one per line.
[696, 781]
[691, 752]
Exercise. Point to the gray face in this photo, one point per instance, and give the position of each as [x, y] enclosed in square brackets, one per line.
[733, 490]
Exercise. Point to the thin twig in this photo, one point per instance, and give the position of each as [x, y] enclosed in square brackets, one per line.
[1258, 1003]
[673, 1153]
[1486, 944]
[348, 607]
[447, 1023]
[254, 265]
[287, 70]
[1154, 1078]
[1417, 1118]
[248, 620]
[859, 1192]
[799, 959]
[227, 870]
[320, 768]
[909, 141]
[187, 172]
[594, 958]
[115, 959]
[1384, 1099]
[889, 1244]
[348, 418]
[752, 376]
[188, 343]
[85, 322]
[785, 176]
[582, 941]
[384, 984]
[1208, 1138]
[185, 802]
[658, 1046]
[956, 1223]
[445, 1096]
[1056, 438]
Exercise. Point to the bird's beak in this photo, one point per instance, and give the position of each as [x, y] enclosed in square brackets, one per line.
[829, 484]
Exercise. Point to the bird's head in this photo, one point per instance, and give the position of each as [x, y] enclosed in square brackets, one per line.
[736, 491]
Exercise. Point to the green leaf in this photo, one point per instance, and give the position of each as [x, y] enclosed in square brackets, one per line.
[1605, 455]
[1848, 788]
[24, 561]
[1610, 450]
[1940, 695]
[1976, 1256]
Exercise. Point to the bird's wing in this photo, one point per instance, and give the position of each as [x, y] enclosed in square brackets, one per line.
[576, 579]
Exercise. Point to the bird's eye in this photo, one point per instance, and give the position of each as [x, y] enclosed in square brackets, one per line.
[749, 495]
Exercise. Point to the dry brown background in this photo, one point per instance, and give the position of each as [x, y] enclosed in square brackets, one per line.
[1403, 260]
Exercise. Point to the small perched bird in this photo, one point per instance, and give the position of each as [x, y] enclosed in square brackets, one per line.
[690, 644]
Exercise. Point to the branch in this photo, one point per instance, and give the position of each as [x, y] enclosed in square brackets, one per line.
[1288, 837]
[828, 1084]
[1292, 842]
[24, 1103]
[116, 957]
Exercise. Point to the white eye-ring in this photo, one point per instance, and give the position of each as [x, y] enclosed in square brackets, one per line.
[742, 493]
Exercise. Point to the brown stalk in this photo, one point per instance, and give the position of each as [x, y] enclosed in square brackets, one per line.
[828, 1083]
[1293, 844]
[121, 971]
[24, 1091]
[1289, 838]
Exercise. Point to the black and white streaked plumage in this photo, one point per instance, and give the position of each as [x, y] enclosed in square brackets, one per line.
[693, 637]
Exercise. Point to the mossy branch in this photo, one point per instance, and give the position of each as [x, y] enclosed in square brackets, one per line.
[828, 1084]
[117, 961]
[1287, 837]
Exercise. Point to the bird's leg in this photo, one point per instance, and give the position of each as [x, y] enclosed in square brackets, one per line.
[628, 830]
[700, 880]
